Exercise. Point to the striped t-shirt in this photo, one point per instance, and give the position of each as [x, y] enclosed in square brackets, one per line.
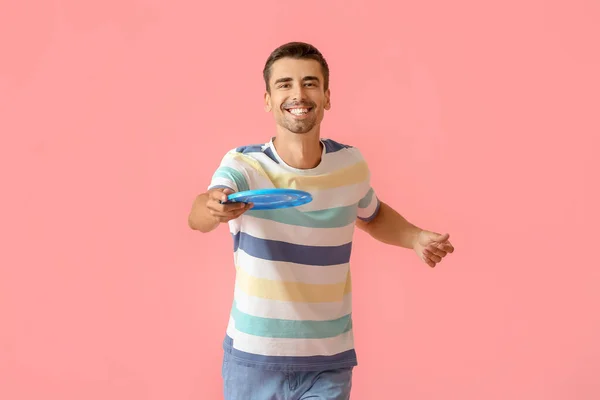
[292, 307]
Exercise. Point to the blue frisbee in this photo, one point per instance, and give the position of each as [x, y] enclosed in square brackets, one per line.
[269, 199]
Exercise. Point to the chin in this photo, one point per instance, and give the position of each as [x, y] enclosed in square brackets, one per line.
[300, 130]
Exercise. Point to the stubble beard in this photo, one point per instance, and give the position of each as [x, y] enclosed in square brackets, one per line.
[299, 127]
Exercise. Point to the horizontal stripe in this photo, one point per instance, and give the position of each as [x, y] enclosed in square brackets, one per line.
[348, 168]
[223, 183]
[249, 161]
[353, 174]
[330, 218]
[288, 252]
[291, 329]
[233, 175]
[291, 272]
[273, 230]
[342, 196]
[268, 308]
[291, 291]
[267, 346]
[365, 201]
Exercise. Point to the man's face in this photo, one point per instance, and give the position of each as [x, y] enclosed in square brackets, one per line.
[297, 100]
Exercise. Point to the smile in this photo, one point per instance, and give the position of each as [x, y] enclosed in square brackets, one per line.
[299, 111]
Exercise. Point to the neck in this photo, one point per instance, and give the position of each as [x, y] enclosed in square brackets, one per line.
[301, 151]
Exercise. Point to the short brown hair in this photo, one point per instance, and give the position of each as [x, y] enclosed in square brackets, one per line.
[297, 50]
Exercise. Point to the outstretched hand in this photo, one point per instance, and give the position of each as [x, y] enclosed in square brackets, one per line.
[222, 211]
[432, 247]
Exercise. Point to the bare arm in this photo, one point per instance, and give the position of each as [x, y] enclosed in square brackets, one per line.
[391, 228]
[208, 212]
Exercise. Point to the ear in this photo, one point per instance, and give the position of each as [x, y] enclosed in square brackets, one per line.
[327, 99]
[268, 105]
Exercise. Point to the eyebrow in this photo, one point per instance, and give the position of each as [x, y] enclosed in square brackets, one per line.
[287, 79]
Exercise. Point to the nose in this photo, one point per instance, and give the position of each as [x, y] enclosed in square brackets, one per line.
[298, 93]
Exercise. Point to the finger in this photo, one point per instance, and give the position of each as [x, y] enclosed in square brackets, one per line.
[431, 256]
[448, 247]
[216, 205]
[218, 196]
[226, 211]
[438, 251]
[221, 194]
[443, 247]
[235, 206]
[441, 238]
[245, 207]
[228, 214]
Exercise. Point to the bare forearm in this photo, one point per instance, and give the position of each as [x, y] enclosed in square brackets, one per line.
[391, 228]
[200, 218]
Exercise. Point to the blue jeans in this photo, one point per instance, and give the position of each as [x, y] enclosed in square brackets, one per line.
[247, 383]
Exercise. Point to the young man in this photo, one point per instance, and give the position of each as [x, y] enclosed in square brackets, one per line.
[290, 329]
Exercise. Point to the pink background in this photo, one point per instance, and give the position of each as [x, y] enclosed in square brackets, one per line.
[479, 119]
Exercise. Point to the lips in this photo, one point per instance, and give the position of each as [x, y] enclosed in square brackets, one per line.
[299, 111]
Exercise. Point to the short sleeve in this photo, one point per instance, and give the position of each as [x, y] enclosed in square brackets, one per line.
[368, 206]
[230, 175]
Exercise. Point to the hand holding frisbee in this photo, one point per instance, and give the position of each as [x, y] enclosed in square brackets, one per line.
[220, 209]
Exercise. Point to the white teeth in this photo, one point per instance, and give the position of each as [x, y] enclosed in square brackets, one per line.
[299, 111]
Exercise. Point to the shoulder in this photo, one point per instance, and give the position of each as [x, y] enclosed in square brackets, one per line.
[247, 149]
[251, 152]
[333, 146]
[244, 152]
[250, 159]
[250, 148]
[342, 150]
